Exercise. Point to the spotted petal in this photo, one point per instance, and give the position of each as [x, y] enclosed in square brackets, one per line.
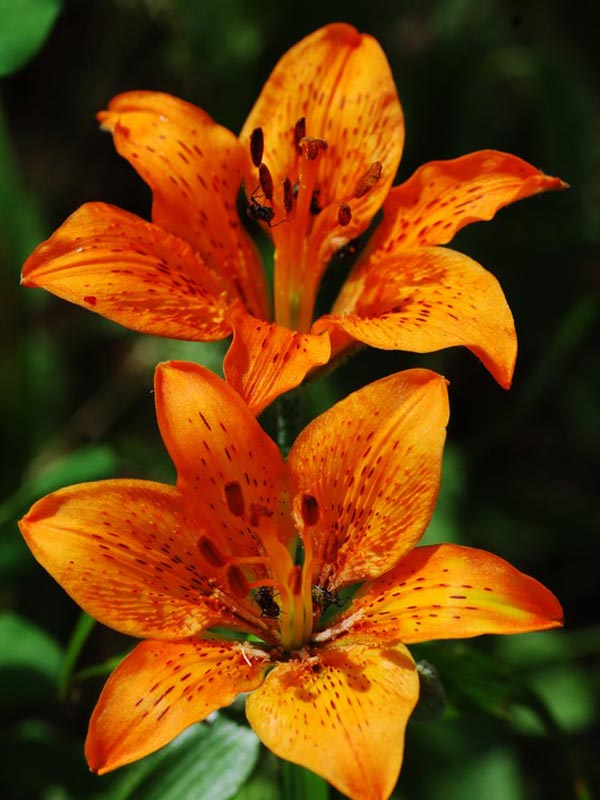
[424, 300]
[225, 462]
[160, 689]
[365, 475]
[265, 360]
[194, 168]
[134, 273]
[341, 712]
[442, 197]
[138, 559]
[449, 592]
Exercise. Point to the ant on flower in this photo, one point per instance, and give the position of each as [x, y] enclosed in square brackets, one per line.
[259, 212]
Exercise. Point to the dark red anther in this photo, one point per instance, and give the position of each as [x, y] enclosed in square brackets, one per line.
[311, 147]
[369, 179]
[344, 214]
[299, 133]
[266, 181]
[288, 196]
[234, 497]
[309, 509]
[237, 581]
[211, 552]
[257, 146]
[315, 208]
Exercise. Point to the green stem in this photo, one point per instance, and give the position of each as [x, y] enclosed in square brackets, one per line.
[84, 626]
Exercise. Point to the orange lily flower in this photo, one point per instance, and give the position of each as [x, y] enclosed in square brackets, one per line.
[222, 549]
[318, 154]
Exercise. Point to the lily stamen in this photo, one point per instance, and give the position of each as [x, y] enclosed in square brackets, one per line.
[369, 179]
[257, 146]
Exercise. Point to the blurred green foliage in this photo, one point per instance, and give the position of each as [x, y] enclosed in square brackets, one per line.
[521, 470]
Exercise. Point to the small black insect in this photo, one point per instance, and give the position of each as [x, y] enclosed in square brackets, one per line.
[259, 212]
[324, 597]
[268, 607]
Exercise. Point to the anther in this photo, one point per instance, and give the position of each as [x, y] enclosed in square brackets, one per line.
[210, 552]
[288, 196]
[295, 580]
[266, 181]
[257, 144]
[237, 581]
[299, 133]
[310, 147]
[309, 509]
[315, 208]
[234, 498]
[369, 179]
[344, 214]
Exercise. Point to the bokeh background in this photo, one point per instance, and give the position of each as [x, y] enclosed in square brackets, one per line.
[522, 469]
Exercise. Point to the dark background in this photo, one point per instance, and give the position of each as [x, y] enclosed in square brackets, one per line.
[522, 470]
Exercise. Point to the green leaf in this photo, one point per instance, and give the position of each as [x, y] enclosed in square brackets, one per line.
[39, 761]
[24, 26]
[29, 664]
[299, 783]
[210, 759]
[493, 775]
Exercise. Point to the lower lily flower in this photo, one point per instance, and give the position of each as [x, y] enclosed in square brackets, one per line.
[248, 542]
[317, 155]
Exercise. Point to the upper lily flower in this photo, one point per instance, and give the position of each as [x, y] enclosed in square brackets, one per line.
[317, 154]
[249, 542]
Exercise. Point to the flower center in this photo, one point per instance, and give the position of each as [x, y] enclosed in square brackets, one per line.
[292, 206]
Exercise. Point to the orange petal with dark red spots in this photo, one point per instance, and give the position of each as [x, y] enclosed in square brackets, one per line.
[160, 689]
[444, 196]
[365, 475]
[194, 168]
[226, 464]
[424, 300]
[340, 712]
[265, 360]
[116, 264]
[450, 592]
[133, 555]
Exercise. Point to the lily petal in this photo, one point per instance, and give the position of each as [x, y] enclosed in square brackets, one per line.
[132, 272]
[160, 689]
[365, 476]
[441, 197]
[194, 168]
[265, 360]
[450, 592]
[225, 461]
[131, 555]
[352, 702]
[424, 300]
